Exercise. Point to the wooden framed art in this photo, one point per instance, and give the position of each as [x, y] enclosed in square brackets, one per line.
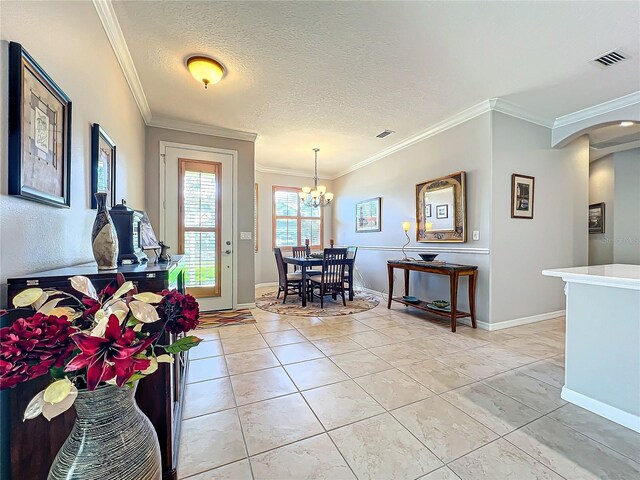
[39, 133]
[103, 166]
[522, 190]
[368, 215]
[596, 218]
[447, 196]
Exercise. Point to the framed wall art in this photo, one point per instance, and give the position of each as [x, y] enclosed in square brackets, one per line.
[596, 218]
[39, 133]
[368, 215]
[522, 190]
[447, 196]
[103, 166]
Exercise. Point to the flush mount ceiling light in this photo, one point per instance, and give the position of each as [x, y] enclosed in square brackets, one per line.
[626, 124]
[205, 69]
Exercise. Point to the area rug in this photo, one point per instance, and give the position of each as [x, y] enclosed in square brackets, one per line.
[225, 318]
[361, 303]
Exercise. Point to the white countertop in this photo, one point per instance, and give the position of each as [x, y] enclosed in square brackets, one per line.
[616, 275]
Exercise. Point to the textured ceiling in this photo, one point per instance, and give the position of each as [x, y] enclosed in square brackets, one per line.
[335, 74]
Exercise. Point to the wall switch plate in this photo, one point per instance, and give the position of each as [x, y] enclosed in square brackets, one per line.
[245, 235]
[476, 235]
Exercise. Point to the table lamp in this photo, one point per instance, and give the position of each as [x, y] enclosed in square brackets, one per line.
[406, 226]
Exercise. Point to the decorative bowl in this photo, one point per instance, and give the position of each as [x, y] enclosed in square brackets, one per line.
[410, 299]
[441, 303]
[428, 257]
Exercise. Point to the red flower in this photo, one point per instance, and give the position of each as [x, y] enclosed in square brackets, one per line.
[109, 357]
[94, 305]
[179, 312]
[33, 345]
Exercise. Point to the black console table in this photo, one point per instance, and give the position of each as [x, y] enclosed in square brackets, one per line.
[35, 443]
[453, 270]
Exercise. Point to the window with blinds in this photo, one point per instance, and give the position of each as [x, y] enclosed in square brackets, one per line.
[199, 225]
[294, 222]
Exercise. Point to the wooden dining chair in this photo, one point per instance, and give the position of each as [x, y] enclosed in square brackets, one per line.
[287, 282]
[351, 255]
[301, 252]
[331, 278]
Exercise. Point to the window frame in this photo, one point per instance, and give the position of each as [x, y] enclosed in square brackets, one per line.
[204, 166]
[298, 218]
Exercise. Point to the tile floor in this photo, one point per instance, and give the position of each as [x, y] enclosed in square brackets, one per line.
[389, 394]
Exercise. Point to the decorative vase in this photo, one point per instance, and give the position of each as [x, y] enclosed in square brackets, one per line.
[111, 440]
[104, 238]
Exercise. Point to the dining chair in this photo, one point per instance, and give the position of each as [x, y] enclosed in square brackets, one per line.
[351, 255]
[331, 278]
[301, 252]
[287, 282]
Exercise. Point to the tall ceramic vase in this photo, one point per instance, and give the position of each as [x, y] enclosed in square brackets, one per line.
[104, 238]
[111, 440]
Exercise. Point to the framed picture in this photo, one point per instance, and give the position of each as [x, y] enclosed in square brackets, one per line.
[522, 190]
[103, 165]
[427, 210]
[442, 211]
[596, 218]
[39, 133]
[368, 215]
[448, 196]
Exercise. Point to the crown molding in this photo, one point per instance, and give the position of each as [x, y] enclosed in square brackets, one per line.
[450, 122]
[183, 126]
[504, 106]
[283, 171]
[107, 16]
[600, 109]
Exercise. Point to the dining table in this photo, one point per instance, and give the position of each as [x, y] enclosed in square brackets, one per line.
[307, 263]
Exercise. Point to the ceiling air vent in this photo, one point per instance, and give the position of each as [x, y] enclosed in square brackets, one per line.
[609, 59]
[386, 133]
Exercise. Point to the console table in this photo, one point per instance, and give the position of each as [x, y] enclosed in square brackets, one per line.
[453, 270]
[34, 443]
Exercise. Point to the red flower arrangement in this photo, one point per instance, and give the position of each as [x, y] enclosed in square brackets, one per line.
[100, 339]
[33, 345]
[180, 311]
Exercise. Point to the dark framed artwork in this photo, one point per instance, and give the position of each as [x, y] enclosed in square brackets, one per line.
[522, 196]
[427, 210]
[596, 218]
[39, 133]
[448, 196]
[368, 215]
[442, 211]
[103, 166]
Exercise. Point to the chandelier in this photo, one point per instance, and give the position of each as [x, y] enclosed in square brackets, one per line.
[318, 196]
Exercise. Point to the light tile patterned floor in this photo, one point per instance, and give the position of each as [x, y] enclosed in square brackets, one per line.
[387, 394]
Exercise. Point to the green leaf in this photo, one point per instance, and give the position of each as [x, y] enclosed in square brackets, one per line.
[133, 321]
[183, 344]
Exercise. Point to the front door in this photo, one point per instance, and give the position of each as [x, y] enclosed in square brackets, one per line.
[198, 219]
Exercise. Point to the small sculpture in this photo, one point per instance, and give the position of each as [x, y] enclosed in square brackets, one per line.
[164, 257]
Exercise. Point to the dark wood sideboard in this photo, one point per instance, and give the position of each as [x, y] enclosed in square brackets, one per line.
[34, 443]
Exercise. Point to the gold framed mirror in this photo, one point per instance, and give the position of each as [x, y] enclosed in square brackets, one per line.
[441, 209]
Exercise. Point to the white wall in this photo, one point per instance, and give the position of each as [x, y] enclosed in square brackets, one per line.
[68, 41]
[464, 147]
[555, 237]
[626, 219]
[266, 270]
[601, 189]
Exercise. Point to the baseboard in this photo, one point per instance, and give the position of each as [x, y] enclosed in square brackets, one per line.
[614, 414]
[267, 284]
[245, 305]
[525, 320]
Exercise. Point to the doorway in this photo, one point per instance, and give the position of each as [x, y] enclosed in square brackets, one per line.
[198, 211]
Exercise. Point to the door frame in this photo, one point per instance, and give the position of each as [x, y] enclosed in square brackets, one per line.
[163, 186]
